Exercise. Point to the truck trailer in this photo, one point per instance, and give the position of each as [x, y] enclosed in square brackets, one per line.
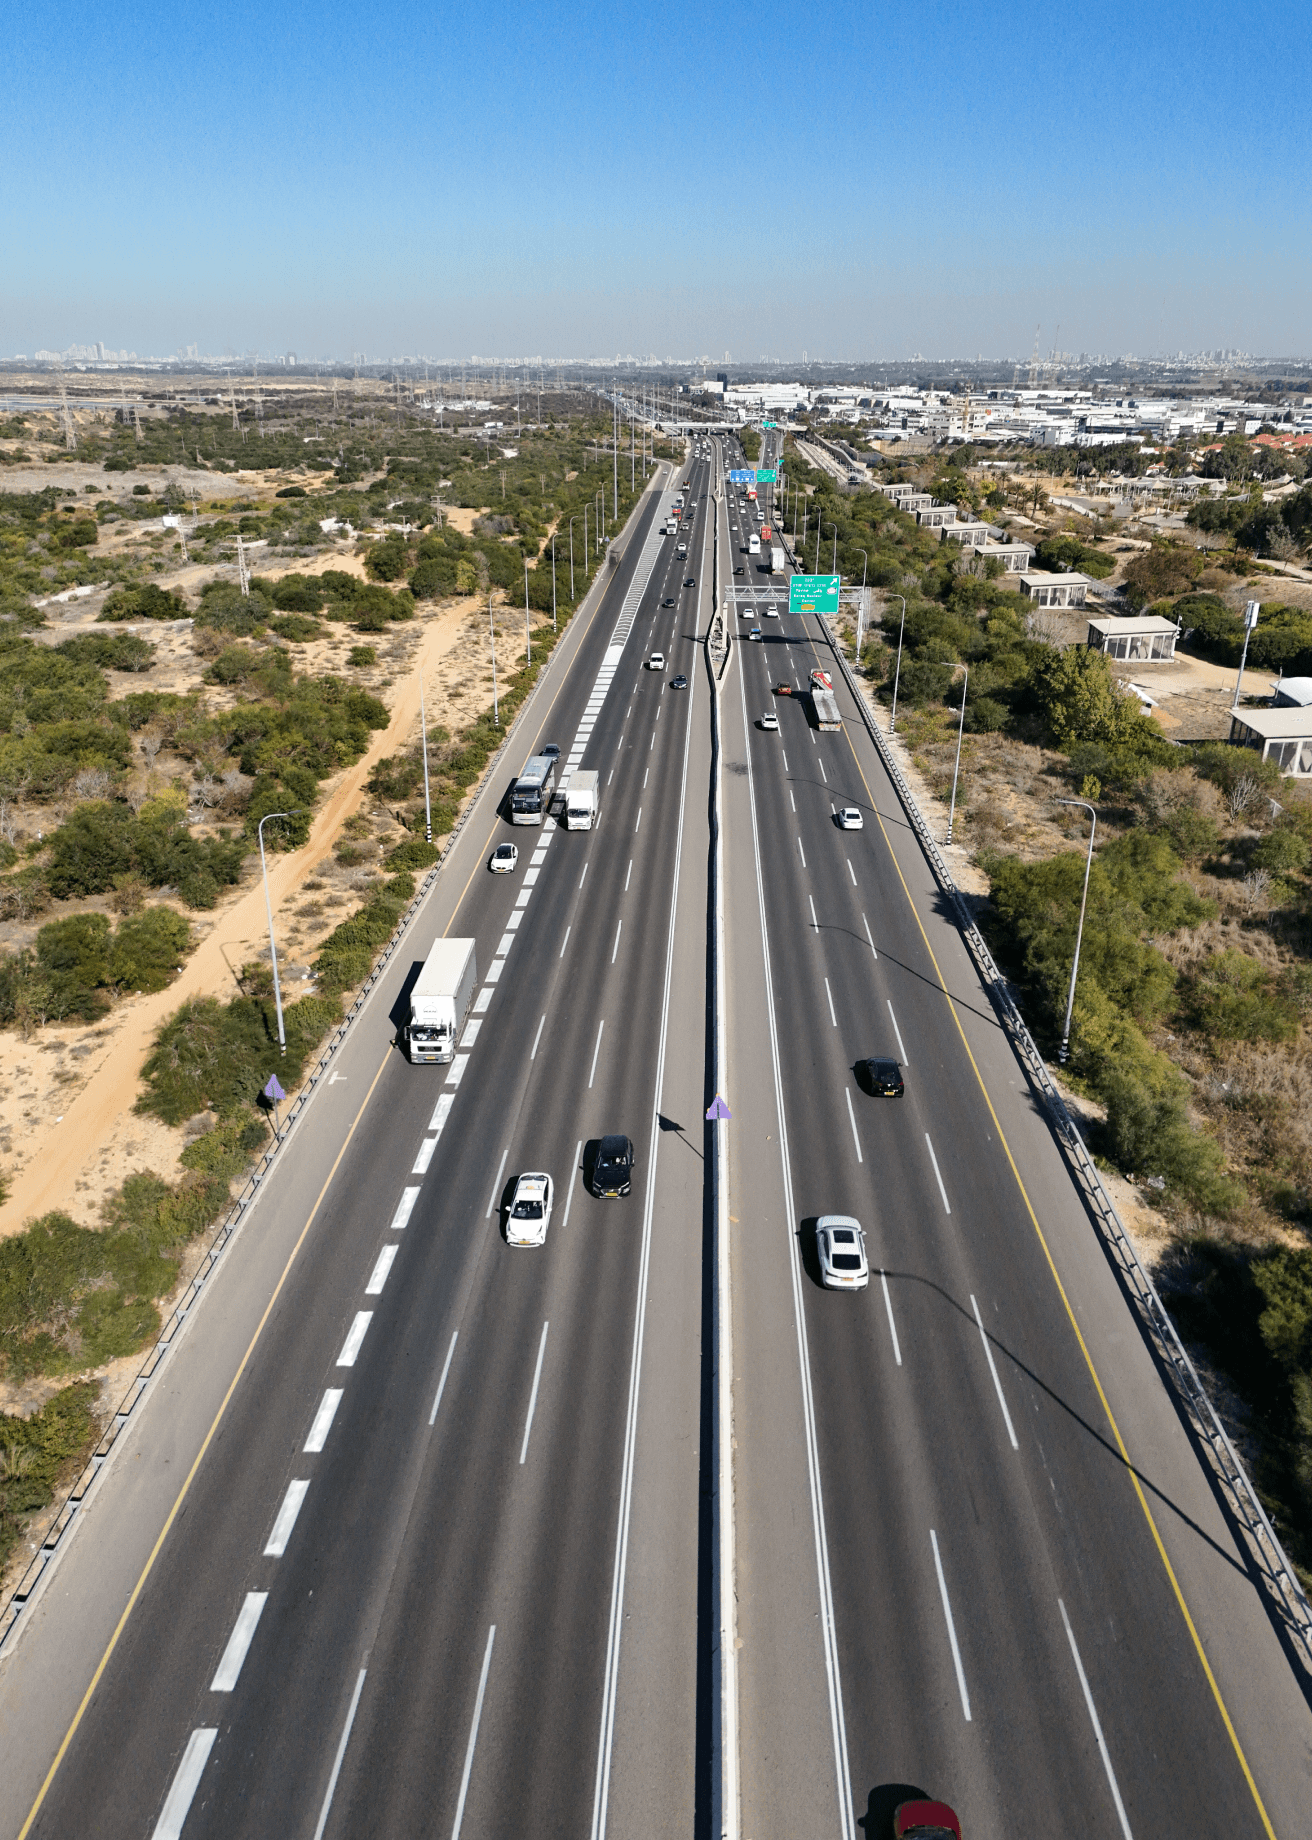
[583, 801]
[440, 1000]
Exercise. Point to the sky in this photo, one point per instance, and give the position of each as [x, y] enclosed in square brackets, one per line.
[867, 181]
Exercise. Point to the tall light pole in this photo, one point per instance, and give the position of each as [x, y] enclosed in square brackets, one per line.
[423, 738]
[585, 541]
[1079, 931]
[952, 809]
[615, 451]
[528, 642]
[571, 561]
[553, 581]
[892, 720]
[835, 567]
[297, 812]
[492, 641]
[860, 606]
[1251, 611]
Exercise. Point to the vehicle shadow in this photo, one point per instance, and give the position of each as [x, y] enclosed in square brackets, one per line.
[808, 1251]
[883, 1803]
[399, 1014]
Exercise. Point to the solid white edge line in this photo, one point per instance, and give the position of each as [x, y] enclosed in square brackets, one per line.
[446, 1368]
[893, 1019]
[186, 1781]
[847, 1092]
[538, 1037]
[378, 1276]
[533, 1396]
[952, 1628]
[837, 1719]
[496, 1186]
[285, 1522]
[947, 1206]
[892, 1326]
[243, 1634]
[610, 1679]
[866, 924]
[473, 1733]
[323, 1420]
[341, 1752]
[993, 1369]
[597, 1050]
[354, 1338]
[573, 1177]
[1097, 1726]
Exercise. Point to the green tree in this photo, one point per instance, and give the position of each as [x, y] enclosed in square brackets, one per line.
[1079, 700]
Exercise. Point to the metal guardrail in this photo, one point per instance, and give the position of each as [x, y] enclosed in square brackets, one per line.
[1272, 1564]
[137, 1387]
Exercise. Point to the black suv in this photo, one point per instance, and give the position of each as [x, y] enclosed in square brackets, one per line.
[613, 1169]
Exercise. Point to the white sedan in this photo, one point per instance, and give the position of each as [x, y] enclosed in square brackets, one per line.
[841, 1246]
[656, 662]
[850, 819]
[530, 1210]
[503, 859]
[769, 719]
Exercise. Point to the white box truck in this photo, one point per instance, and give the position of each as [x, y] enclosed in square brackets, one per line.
[583, 801]
[440, 1000]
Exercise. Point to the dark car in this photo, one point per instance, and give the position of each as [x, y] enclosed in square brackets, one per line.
[613, 1170]
[679, 683]
[669, 602]
[884, 1079]
[691, 582]
[737, 571]
[550, 750]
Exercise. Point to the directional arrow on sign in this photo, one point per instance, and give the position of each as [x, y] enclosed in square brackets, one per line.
[717, 1109]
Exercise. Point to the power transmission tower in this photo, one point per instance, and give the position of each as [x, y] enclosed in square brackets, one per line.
[66, 416]
[136, 419]
[243, 573]
[232, 392]
[1034, 361]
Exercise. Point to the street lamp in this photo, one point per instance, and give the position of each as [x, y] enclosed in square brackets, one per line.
[952, 809]
[860, 606]
[553, 581]
[1079, 931]
[528, 640]
[834, 570]
[571, 560]
[423, 737]
[298, 812]
[892, 720]
[492, 641]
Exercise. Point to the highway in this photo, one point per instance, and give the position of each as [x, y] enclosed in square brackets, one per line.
[945, 1573]
[439, 1565]
[412, 1534]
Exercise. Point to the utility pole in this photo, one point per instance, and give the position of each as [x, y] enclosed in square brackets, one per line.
[492, 641]
[1251, 611]
[1079, 931]
[268, 908]
[615, 454]
[571, 562]
[528, 642]
[553, 581]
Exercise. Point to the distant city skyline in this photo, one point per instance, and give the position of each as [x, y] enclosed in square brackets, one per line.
[897, 180]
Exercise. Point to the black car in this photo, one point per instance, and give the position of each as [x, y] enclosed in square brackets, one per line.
[691, 582]
[737, 571]
[884, 1079]
[550, 750]
[669, 602]
[613, 1170]
[679, 683]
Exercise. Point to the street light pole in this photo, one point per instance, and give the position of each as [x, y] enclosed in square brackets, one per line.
[571, 561]
[528, 641]
[553, 581]
[585, 540]
[897, 675]
[492, 641]
[952, 809]
[423, 736]
[1079, 931]
[861, 604]
[834, 570]
[298, 812]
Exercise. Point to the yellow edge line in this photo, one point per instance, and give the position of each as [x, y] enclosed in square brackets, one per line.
[191, 1474]
[209, 1436]
[1061, 1291]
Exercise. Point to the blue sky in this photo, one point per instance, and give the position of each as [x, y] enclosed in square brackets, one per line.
[856, 181]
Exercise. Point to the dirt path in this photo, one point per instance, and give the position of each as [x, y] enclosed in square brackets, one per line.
[58, 1153]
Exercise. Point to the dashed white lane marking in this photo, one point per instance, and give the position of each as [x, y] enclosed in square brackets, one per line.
[801, 852]
[446, 1369]
[323, 1420]
[495, 1196]
[185, 1783]
[378, 1276]
[354, 1337]
[993, 1369]
[582, 877]
[596, 1051]
[615, 948]
[785, 760]
[523, 899]
[814, 922]
[938, 1178]
[483, 999]
[538, 1037]
[243, 1634]
[420, 1165]
[866, 924]
[644, 779]
[531, 876]
[564, 942]
[626, 879]
[892, 1018]
[404, 1208]
[441, 1112]
[1097, 1726]
[533, 1396]
[892, 1326]
[829, 993]
[286, 1520]
[494, 970]
[639, 817]
[823, 774]
[851, 871]
[791, 800]
[343, 1741]
[573, 1177]
[507, 940]
[473, 1733]
[852, 1117]
[470, 1035]
[952, 1628]
[610, 776]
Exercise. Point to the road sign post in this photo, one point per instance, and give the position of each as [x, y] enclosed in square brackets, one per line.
[813, 593]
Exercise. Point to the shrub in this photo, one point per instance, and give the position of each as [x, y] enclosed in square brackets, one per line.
[110, 651]
[1063, 555]
[36, 1451]
[147, 602]
[148, 948]
[290, 492]
[434, 579]
[73, 956]
[211, 1056]
[299, 594]
[385, 561]
[362, 655]
[1165, 569]
[414, 853]
[296, 628]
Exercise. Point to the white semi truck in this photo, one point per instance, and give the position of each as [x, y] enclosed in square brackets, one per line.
[583, 801]
[440, 1000]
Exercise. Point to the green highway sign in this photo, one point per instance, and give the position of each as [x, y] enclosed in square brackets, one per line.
[766, 476]
[769, 424]
[813, 594]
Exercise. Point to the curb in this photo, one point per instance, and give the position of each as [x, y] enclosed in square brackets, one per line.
[1279, 1580]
